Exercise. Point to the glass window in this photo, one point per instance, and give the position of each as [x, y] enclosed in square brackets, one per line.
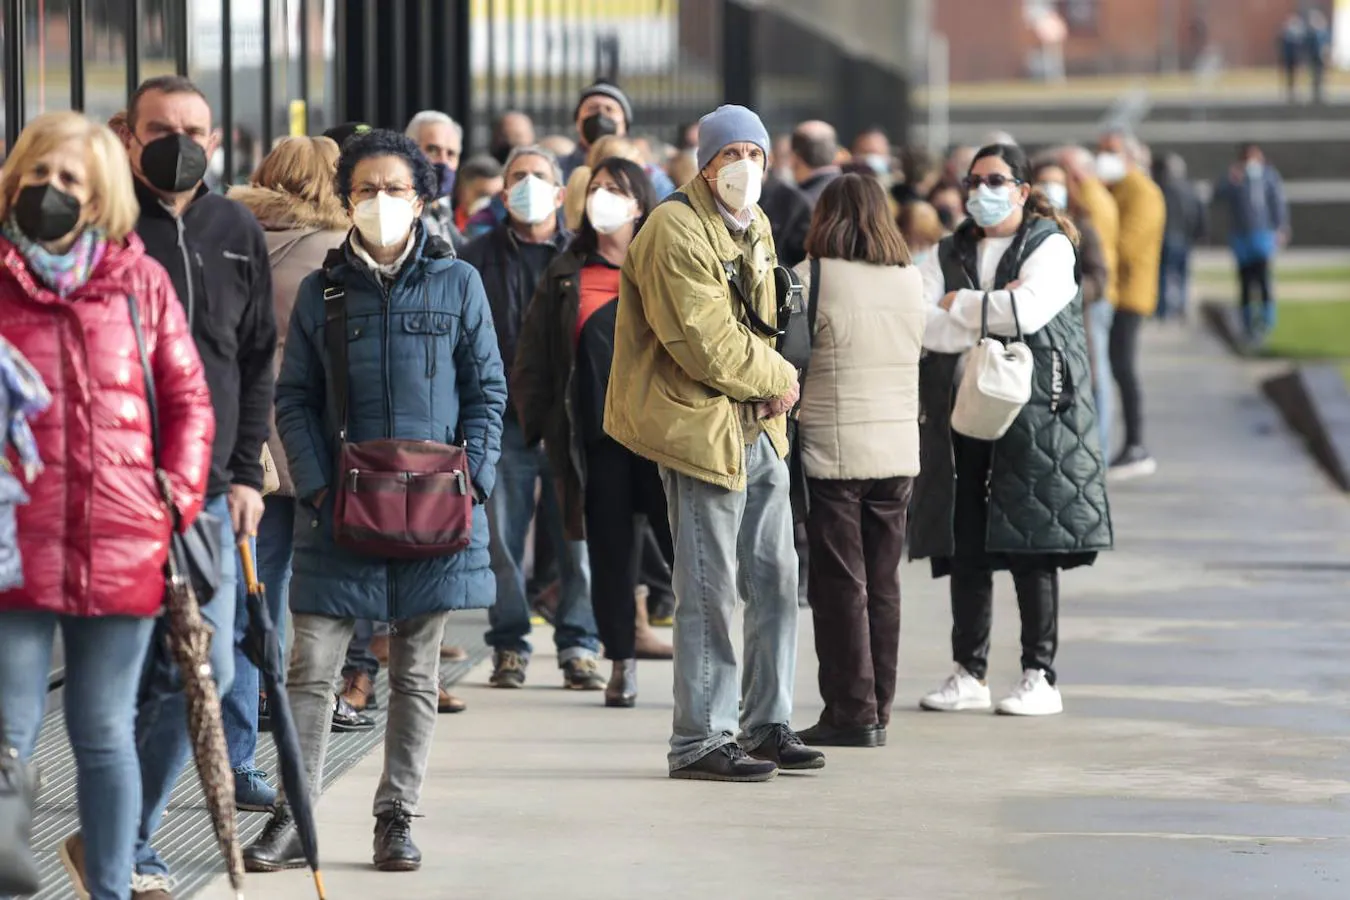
[46, 56]
[105, 54]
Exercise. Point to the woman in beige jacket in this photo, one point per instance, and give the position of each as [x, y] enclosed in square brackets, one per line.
[859, 440]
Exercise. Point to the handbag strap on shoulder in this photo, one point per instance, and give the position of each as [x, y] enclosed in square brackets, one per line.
[335, 336]
[152, 405]
[984, 317]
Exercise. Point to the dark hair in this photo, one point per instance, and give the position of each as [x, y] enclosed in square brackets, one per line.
[382, 142]
[681, 132]
[633, 178]
[340, 134]
[164, 84]
[815, 151]
[481, 166]
[1248, 147]
[1038, 205]
[852, 221]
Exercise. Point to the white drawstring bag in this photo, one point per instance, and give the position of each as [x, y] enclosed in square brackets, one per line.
[996, 384]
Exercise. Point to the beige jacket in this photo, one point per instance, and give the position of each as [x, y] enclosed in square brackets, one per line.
[859, 416]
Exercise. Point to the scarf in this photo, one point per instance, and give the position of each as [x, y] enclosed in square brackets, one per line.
[390, 272]
[66, 272]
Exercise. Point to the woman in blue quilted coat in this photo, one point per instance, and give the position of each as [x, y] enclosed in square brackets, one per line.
[422, 364]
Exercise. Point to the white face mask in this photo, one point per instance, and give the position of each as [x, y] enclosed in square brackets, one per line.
[608, 211]
[739, 184]
[1111, 167]
[384, 220]
[532, 200]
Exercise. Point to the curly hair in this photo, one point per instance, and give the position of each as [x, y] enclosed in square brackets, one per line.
[382, 142]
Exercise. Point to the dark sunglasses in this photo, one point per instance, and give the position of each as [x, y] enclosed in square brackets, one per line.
[995, 181]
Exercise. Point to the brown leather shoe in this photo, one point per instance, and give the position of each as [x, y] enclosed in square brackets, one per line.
[379, 648]
[359, 691]
[450, 653]
[449, 703]
[646, 644]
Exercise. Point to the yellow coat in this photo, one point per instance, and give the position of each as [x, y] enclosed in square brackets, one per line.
[685, 362]
[1143, 219]
[1100, 206]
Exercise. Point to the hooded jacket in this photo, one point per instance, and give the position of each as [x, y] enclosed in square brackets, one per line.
[299, 237]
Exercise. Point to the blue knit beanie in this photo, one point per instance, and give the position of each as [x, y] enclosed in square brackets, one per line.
[729, 125]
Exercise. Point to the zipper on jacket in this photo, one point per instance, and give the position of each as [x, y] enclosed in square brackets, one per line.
[384, 360]
[431, 335]
[191, 299]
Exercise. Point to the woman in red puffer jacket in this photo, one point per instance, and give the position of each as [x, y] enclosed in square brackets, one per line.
[94, 535]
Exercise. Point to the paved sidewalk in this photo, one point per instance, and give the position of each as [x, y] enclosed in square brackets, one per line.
[1206, 671]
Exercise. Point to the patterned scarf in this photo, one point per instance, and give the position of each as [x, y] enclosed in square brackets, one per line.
[66, 272]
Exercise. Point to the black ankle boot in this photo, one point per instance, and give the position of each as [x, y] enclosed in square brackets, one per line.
[278, 847]
[394, 847]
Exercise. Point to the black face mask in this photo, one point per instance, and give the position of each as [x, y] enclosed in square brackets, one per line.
[596, 126]
[174, 163]
[46, 213]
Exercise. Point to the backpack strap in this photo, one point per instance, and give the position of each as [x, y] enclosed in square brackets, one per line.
[335, 337]
[813, 300]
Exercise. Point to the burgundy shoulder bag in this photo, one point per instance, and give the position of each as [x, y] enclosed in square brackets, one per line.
[391, 498]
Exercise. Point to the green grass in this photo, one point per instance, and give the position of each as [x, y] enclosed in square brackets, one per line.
[1284, 276]
[1312, 331]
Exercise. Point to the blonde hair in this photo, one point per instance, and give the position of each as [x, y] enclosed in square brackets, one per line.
[112, 196]
[613, 145]
[304, 167]
[574, 200]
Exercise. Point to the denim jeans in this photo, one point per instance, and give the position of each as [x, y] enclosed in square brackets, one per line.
[510, 511]
[104, 657]
[161, 721]
[1100, 317]
[272, 554]
[730, 544]
[320, 646]
[1174, 279]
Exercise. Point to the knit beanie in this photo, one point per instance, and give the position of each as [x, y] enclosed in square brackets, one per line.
[613, 92]
[729, 125]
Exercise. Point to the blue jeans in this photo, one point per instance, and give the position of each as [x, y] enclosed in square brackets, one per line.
[510, 511]
[272, 554]
[161, 721]
[1100, 317]
[104, 657]
[730, 544]
[1174, 278]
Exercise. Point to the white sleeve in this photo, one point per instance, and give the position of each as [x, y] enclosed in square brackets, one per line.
[1047, 287]
[942, 334]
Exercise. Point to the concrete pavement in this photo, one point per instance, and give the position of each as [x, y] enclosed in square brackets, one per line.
[1206, 672]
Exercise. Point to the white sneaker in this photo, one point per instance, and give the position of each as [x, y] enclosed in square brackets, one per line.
[1034, 696]
[143, 885]
[959, 692]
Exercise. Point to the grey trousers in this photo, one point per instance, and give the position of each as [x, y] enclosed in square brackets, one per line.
[317, 655]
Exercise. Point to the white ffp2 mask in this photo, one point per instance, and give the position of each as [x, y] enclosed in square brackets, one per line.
[740, 184]
[384, 220]
[532, 200]
[608, 211]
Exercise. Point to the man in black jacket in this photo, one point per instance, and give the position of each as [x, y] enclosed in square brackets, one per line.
[216, 256]
[512, 258]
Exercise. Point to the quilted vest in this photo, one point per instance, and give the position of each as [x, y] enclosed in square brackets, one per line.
[1047, 485]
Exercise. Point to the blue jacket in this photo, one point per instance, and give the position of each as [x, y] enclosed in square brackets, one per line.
[422, 365]
[1257, 209]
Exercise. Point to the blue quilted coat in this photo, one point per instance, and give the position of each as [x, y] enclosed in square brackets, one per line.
[22, 394]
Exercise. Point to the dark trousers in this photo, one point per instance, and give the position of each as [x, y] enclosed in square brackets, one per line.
[972, 616]
[1124, 367]
[621, 488]
[856, 534]
[654, 570]
[1254, 279]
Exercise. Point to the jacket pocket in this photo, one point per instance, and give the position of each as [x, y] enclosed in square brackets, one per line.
[432, 326]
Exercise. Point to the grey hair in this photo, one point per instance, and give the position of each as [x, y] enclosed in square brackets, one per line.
[432, 117]
[541, 152]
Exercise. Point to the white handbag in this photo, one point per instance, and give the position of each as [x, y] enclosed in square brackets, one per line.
[996, 384]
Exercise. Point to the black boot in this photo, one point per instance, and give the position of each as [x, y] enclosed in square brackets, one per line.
[783, 747]
[394, 848]
[825, 735]
[278, 847]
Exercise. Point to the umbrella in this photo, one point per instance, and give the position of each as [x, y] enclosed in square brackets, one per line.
[263, 649]
[189, 639]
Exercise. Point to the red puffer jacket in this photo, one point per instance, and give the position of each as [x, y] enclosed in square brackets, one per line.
[94, 537]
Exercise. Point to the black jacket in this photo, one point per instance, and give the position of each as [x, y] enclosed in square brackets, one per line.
[216, 256]
[789, 213]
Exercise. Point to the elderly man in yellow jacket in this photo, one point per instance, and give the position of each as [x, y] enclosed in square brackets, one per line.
[698, 390]
[1143, 219]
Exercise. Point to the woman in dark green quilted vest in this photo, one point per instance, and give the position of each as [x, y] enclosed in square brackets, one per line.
[1033, 502]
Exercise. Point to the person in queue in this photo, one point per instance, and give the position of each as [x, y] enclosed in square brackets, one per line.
[70, 265]
[921, 228]
[859, 441]
[706, 399]
[815, 158]
[441, 139]
[512, 129]
[512, 259]
[980, 506]
[216, 255]
[604, 109]
[408, 301]
[561, 374]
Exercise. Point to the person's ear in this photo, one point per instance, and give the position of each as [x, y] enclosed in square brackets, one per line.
[213, 142]
[418, 206]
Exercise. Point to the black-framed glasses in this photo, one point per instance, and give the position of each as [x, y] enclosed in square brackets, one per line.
[995, 181]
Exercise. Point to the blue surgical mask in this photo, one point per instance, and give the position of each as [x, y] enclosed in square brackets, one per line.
[1056, 193]
[1255, 169]
[989, 206]
[445, 180]
[920, 257]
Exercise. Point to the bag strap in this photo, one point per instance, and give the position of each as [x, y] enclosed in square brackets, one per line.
[335, 337]
[813, 300]
[984, 317]
[151, 401]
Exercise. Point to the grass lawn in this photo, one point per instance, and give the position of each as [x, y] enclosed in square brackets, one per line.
[1312, 331]
[1288, 275]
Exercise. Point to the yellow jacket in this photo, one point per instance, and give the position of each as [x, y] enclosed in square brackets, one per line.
[1143, 218]
[684, 359]
[1100, 206]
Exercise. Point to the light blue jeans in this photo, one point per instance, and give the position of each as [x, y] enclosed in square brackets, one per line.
[104, 657]
[161, 721]
[730, 544]
[1100, 317]
[510, 511]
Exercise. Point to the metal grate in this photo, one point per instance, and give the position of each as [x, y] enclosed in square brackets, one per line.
[185, 838]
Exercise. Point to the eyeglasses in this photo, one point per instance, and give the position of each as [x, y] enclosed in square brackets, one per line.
[995, 181]
[397, 191]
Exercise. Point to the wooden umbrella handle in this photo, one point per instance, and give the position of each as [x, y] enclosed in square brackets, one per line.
[250, 571]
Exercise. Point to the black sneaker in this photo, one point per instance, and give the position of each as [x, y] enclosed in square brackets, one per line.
[727, 763]
[278, 847]
[508, 669]
[394, 847]
[347, 720]
[787, 751]
[1133, 462]
[822, 735]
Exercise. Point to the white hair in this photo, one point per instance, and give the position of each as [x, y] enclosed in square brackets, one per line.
[432, 117]
[543, 153]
